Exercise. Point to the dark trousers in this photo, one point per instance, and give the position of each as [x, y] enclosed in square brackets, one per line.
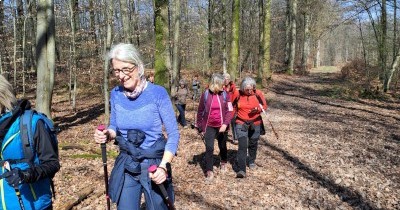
[181, 118]
[248, 141]
[209, 136]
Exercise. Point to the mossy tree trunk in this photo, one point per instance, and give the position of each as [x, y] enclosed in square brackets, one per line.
[162, 55]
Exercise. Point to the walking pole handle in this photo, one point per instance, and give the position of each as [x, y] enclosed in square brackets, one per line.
[7, 166]
[170, 205]
[104, 158]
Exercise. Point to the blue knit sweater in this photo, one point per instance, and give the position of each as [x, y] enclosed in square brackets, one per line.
[148, 113]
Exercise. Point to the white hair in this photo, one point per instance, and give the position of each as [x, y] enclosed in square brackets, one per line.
[127, 53]
[246, 82]
[7, 97]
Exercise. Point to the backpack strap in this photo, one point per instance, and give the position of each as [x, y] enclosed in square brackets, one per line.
[27, 134]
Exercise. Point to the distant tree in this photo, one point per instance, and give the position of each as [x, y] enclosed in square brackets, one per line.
[264, 59]
[107, 46]
[234, 53]
[126, 22]
[45, 42]
[292, 38]
[176, 42]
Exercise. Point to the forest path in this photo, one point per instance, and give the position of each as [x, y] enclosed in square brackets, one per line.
[331, 153]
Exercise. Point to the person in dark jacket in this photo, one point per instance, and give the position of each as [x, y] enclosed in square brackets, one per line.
[247, 103]
[213, 117]
[17, 172]
[140, 110]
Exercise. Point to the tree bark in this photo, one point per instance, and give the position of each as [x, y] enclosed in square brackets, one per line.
[125, 22]
[306, 40]
[162, 56]
[210, 34]
[234, 54]
[292, 41]
[176, 42]
[45, 55]
[107, 45]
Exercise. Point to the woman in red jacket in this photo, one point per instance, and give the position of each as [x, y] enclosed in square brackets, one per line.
[248, 102]
[213, 117]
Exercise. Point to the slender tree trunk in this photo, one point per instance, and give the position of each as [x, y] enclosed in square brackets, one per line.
[293, 30]
[287, 31]
[136, 22]
[92, 24]
[264, 69]
[162, 57]
[45, 55]
[107, 45]
[210, 34]
[224, 41]
[125, 22]
[15, 51]
[234, 54]
[176, 54]
[73, 67]
[395, 42]
[306, 42]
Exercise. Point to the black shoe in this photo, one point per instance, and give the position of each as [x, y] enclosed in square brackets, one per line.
[241, 174]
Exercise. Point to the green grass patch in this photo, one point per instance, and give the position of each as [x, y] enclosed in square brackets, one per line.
[86, 156]
[325, 69]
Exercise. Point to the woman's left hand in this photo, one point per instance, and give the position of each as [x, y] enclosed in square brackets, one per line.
[222, 128]
[159, 176]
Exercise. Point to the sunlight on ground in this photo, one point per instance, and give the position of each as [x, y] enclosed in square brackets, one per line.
[325, 69]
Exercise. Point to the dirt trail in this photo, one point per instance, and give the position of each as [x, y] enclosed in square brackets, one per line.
[331, 154]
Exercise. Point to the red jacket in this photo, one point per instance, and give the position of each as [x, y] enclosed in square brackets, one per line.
[245, 104]
[204, 109]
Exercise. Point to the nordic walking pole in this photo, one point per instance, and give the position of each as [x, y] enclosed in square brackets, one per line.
[17, 192]
[270, 123]
[104, 157]
[170, 205]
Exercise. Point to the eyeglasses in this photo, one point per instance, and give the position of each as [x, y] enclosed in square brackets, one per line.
[124, 70]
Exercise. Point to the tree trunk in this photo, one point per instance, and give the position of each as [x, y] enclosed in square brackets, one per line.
[127, 36]
[176, 54]
[395, 42]
[210, 34]
[162, 56]
[92, 25]
[234, 54]
[306, 42]
[45, 55]
[135, 21]
[292, 43]
[224, 41]
[390, 72]
[264, 58]
[107, 46]
[73, 67]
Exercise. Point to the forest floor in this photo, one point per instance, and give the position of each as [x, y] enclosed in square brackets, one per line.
[331, 154]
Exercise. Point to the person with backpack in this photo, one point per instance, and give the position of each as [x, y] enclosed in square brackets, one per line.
[249, 104]
[230, 88]
[179, 94]
[213, 117]
[29, 154]
[140, 112]
[195, 87]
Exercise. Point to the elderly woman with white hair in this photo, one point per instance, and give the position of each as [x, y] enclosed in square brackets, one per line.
[248, 103]
[139, 112]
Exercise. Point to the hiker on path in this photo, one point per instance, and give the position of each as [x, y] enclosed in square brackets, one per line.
[230, 88]
[18, 171]
[139, 111]
[195, 87]
[179, 94]
[249, 124]
[213, 117]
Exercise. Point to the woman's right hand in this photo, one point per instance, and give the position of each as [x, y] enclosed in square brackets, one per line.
[103, 136]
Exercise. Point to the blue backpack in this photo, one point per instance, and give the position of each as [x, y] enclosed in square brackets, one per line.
[28, 119]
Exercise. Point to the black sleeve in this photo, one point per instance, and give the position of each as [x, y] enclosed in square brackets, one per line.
[47, 152]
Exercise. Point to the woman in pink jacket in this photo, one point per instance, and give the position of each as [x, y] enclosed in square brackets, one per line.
[213, 117]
